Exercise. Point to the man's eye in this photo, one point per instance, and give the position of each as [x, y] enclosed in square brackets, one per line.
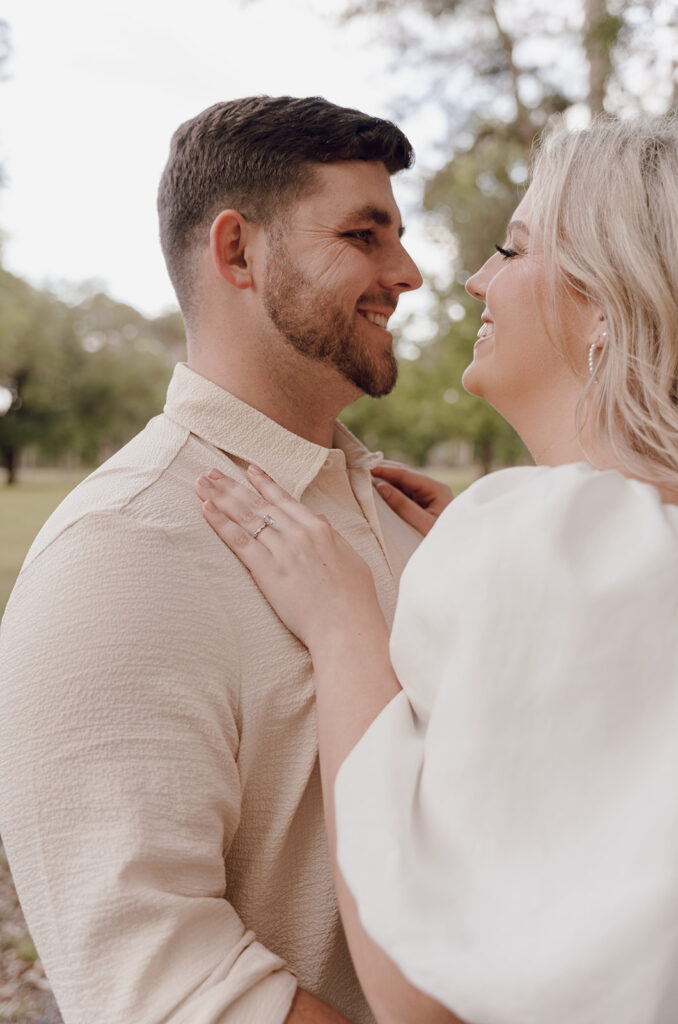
[363, 235]
[506, 253]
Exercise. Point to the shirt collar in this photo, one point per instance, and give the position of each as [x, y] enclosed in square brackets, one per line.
[228, 423]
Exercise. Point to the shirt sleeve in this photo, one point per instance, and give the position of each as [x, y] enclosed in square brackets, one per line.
[509, 823]
[119, 788]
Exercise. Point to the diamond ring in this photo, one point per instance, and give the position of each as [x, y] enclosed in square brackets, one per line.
[268, 521]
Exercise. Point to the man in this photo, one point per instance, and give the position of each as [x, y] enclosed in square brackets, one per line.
[160, 797]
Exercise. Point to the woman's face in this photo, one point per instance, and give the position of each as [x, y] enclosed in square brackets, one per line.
[525, 356]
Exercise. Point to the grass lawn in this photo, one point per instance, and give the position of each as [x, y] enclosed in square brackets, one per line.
[23, 509]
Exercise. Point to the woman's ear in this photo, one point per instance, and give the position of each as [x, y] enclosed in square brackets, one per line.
[598, 327]
[229, 246]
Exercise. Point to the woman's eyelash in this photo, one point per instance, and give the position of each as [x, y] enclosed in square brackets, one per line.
[506, 253]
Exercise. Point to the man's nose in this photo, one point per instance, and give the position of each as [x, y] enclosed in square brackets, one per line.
[401, 272]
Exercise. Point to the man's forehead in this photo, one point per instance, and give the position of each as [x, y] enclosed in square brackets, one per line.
[353, 189]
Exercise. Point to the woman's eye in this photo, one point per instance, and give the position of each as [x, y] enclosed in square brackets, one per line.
[506, 253]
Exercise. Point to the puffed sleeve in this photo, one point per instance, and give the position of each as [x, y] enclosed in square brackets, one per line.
[509, 823]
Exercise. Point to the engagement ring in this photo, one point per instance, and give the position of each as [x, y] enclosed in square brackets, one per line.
[268, 521]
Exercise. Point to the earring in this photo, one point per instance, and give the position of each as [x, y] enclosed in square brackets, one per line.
[592, 350]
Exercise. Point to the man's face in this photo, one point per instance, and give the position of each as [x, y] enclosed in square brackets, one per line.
[335, 270]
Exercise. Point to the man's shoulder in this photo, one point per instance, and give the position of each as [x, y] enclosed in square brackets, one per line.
[130, 540]
[146, 486]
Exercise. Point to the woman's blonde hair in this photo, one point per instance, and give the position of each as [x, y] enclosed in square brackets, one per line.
[607, 200]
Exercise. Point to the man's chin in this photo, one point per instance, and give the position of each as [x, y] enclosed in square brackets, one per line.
[374, 384]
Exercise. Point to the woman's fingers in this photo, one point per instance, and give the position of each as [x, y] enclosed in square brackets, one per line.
[247, 509]
[409, 480]
[308, 573]
[268, 514]
[407, 509]
[252, 554]
[430, 494]
[271, 492]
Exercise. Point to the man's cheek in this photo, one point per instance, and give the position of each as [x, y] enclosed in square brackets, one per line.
[338, 268]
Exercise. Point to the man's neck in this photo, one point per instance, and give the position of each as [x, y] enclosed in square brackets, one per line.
[299, 398]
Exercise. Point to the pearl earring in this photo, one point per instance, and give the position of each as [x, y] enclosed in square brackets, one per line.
[592, 351]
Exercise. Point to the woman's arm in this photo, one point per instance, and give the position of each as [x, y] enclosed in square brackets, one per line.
[355, 681]
[325, 594]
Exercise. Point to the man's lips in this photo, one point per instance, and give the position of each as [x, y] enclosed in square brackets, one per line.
[376, 317]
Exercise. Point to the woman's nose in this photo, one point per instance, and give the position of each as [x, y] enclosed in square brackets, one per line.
[476, 284]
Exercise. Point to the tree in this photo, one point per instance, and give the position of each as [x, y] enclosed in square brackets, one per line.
[123, 375]
[77, 377]
[82, 378]
[38, 357]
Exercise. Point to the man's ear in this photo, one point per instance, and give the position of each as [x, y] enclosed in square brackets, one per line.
[229, 245]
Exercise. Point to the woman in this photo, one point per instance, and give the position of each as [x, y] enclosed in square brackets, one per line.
[508, 819]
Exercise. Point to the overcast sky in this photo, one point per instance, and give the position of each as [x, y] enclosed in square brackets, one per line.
[95, 90]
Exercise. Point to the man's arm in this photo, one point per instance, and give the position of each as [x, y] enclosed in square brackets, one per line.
[119, 788]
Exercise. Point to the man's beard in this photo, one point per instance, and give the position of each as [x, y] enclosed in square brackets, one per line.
[318, 328]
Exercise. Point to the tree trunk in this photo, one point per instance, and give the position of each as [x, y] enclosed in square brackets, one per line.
[485, 451]
[523, 123]
[600, 35]
[10, 460]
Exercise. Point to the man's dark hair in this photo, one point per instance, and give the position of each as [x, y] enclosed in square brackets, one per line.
[256, 155]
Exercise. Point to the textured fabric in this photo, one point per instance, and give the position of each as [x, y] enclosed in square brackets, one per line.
[509, 823]
[160, 798]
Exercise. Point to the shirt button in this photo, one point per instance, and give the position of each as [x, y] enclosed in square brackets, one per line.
[327, 463]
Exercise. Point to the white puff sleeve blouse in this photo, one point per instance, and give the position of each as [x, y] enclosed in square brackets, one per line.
[509, 822]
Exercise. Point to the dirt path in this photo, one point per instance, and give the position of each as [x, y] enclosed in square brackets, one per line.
[25, 995]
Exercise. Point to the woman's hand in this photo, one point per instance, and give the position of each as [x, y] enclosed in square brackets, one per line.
[415, 497]
[310, 575]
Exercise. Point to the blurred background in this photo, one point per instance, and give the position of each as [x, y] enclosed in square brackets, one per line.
[89, 97]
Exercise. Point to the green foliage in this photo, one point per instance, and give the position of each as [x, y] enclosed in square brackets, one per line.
[83, 378]
[38, 355]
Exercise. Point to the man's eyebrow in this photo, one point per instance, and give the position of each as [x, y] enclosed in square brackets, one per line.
[375, 214]
[518, 225]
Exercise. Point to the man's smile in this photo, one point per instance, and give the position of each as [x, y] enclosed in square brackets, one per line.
[380, 319]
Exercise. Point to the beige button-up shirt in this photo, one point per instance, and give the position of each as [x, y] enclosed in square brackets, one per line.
[160, 799]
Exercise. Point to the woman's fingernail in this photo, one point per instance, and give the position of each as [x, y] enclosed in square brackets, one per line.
[204, 481]
[255, 469]
[210, 506]
[215, 474]
[382, 487]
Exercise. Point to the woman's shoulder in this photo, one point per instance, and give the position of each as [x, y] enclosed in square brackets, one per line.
[573, 507]
[570, 481]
